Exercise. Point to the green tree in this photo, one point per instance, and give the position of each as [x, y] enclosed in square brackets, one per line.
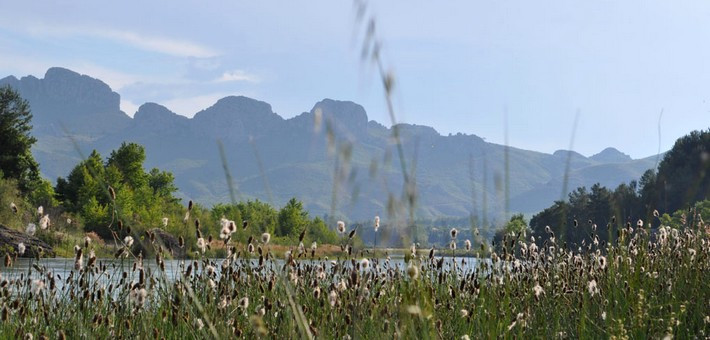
[684, 173]
[162, 182]
[292, 220]
[128, 159]
[16, 159]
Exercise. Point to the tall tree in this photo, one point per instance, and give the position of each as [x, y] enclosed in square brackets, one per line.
[128, 159]
[16, 159]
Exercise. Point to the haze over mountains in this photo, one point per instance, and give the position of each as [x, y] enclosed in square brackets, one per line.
[274, 159]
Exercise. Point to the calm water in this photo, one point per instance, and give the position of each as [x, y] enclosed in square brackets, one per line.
[61, 268]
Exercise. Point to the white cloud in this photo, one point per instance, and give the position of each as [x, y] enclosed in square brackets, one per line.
[160, 44]
[188, 106]
[169, 46]
[128, 107]
[238, 75]
[115, 79]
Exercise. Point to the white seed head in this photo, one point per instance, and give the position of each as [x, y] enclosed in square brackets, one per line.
[31, 229]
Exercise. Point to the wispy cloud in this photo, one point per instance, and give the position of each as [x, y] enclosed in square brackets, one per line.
[238, 75]
[153, 43]
[169, 46]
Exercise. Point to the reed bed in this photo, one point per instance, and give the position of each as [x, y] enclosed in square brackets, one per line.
[645, 284]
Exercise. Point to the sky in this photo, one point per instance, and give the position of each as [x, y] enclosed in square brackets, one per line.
[474, 67]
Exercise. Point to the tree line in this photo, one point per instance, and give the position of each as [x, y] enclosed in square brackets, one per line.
[679, 187]
[100, 194]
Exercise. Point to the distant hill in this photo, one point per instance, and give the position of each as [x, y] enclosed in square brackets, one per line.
[274, 159]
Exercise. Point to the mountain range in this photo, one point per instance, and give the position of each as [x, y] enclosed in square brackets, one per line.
[332, 157]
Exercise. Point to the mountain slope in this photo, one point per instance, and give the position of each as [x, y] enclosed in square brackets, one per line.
[332, 157]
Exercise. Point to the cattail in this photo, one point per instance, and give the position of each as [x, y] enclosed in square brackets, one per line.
[352, 233]
[187, 217]
[40, 210]
[575, 223]
[377, 223]
[302, 236]
[332, 298]
[165, 222]
[655, 213]
[181, 241]
[341, 227]
[92, 259]
[250, 248]
[44, 222]
[79, 259]
[592, 287]
[244, 303]
[365, 263]
[128, 241]
[245, 224]
[112, 193]
[452, 245]
[37, 286]
[201, 244]
[316, 293]
[8, 260]
[538, 290]
[265, 238]
[21, 248]
[138, 296]
[412, 270]
[87, 241]
[13, 207]
[232, 227]
[639, 223]
[453, 233]
[189, 205]
[467, 245]
[413, 249]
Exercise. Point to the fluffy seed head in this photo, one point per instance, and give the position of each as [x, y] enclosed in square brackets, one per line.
[201, 244]
[412, 270]
[453, 233]
[341, 227]
[44, 222]
[31, 229]
[265, 237]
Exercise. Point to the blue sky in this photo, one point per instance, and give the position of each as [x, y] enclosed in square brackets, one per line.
[459, 65]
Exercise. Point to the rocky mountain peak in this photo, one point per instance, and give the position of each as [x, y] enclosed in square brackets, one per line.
[611, 155]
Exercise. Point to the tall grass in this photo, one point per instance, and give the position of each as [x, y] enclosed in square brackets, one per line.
[644, 286]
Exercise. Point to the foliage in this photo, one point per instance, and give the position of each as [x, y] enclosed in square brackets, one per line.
[682, 180]
[683, 175]
[16, 160]
[141, 199]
